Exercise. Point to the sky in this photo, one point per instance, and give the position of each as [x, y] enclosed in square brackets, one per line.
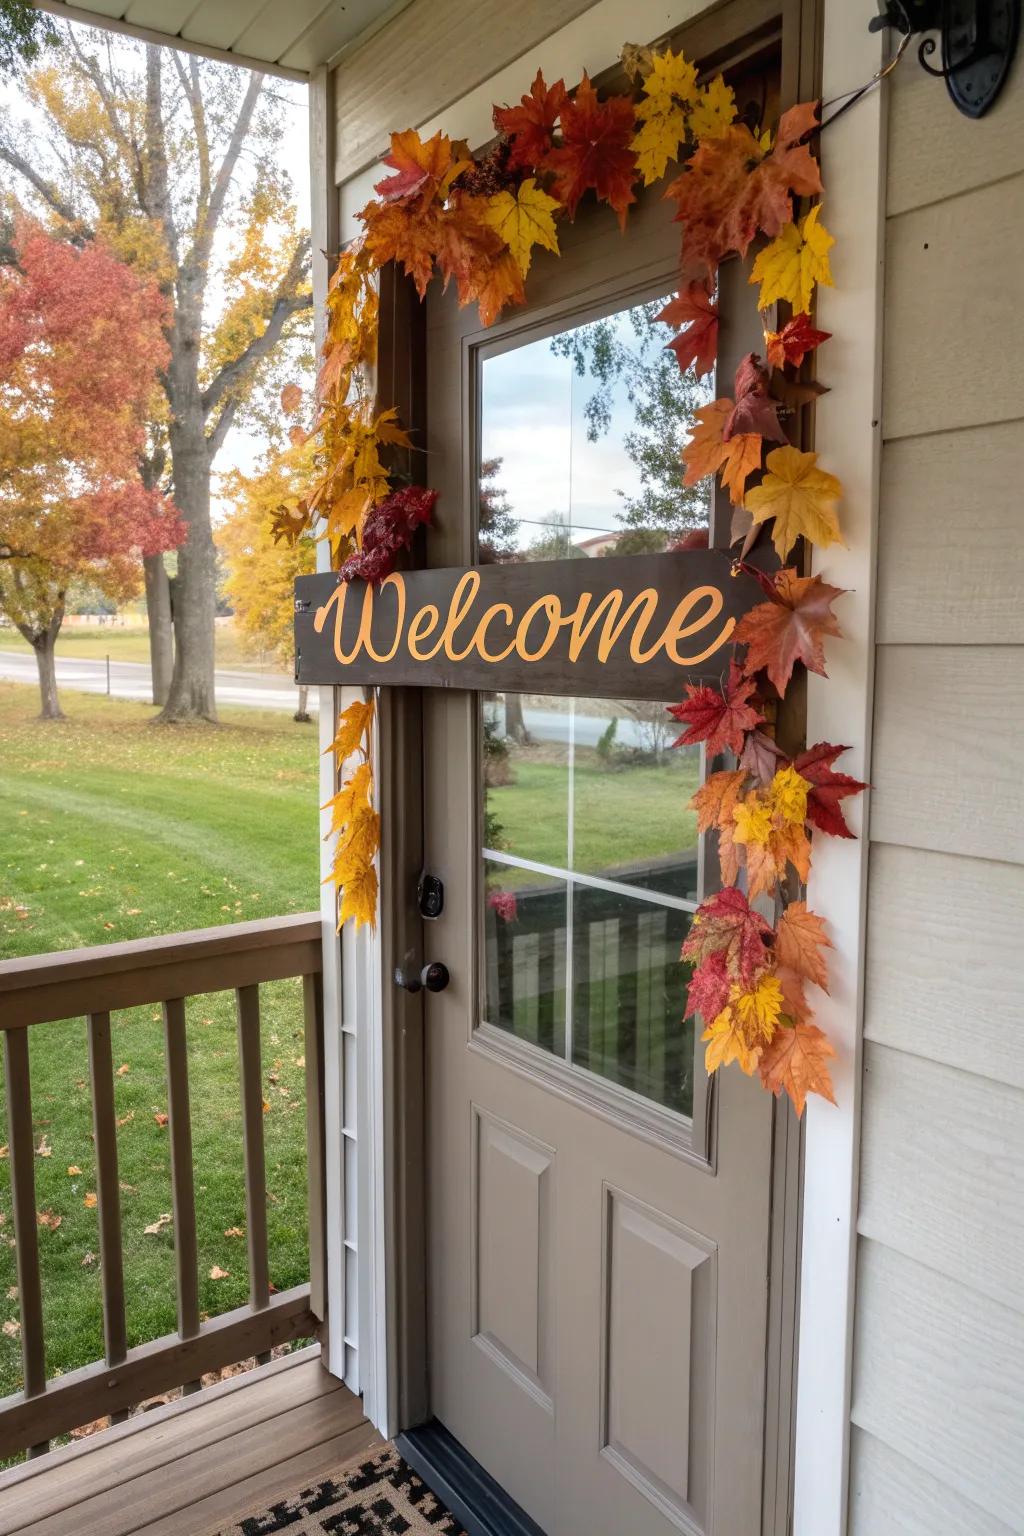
[533, 419]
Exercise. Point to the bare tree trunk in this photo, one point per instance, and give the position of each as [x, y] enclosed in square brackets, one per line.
[161, 631]
[42, 643]
[302, 713]
[515, 725]
[192, 694]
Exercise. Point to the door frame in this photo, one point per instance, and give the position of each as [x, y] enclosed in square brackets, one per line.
[799, 1264]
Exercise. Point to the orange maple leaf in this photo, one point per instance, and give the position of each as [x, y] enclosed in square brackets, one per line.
[734, 186]
[716, 798]
[595, 151]
[791, 627]
[706, 453]
[795, 1062]
[419, 167]
[531, 124]
[799, 940]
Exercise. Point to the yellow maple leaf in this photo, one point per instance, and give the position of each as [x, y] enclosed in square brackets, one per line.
[757, 1009]
[352, 797]
[713, 112]
[523, 220]
[353, 724]
[359, 898]
[671, 76]
[361, 837]
[787, 795]
[753, 820]
[727, 1042]
[801, 498]
[793, 263]
[657, 141]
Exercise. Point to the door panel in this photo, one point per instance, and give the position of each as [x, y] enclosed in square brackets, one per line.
[598, 1219]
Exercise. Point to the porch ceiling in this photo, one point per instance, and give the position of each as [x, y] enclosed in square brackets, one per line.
[286, 37]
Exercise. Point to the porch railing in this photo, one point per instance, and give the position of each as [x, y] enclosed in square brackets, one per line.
[93, 983]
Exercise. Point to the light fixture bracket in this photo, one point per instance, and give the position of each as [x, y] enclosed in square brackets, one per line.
[977, 42]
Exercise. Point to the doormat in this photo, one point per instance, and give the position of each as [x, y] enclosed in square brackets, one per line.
[380, 1496]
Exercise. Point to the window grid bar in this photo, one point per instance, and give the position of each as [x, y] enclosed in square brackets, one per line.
[598, 882]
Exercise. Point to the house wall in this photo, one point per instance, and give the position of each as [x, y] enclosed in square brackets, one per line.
[938, 1364]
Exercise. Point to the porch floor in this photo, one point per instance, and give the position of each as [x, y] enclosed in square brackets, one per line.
[188, 1467]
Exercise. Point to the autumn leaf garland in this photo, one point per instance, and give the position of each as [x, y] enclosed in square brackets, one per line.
[478, 223]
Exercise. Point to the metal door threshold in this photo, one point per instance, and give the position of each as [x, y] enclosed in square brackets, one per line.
[460, 1482]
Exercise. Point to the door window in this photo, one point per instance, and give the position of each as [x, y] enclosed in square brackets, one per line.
[584, 911]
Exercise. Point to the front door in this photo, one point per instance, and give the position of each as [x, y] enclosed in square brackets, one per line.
[598, 1214]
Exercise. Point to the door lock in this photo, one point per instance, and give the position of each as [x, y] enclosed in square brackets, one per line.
[434, 977]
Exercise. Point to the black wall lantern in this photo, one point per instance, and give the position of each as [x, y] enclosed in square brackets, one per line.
[977, 40]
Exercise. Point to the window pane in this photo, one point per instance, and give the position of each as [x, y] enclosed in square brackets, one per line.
[630, 792]
[629, 995]
[525, 942]
[581, 435]
[526, 746]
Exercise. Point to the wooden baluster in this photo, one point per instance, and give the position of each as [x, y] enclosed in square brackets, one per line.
[546, 990]
[23, 1200]
[108, 1193]
[313, 1014]
[183, 1196]
[251, 1073]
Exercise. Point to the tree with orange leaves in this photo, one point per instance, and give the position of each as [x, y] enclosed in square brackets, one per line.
[81, 344]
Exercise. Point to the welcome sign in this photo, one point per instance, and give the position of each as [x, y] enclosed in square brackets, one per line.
[636, 625]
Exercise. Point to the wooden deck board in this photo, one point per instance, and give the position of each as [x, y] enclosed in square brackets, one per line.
[194, 1463]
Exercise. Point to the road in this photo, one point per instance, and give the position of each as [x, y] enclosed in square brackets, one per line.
[130, 680]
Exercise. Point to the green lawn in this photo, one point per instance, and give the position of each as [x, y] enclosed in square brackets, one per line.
[621, 816]
[132, 644]
[115, 829]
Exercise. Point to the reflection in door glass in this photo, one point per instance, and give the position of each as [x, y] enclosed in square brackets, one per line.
[581, 800]
[581, 435]
[629, 995]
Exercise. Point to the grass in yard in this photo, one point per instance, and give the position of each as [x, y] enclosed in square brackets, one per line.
[622, 816]
[131, 643]
[115, 829]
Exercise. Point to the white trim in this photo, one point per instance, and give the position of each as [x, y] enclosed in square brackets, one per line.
[848, 438]
[75, 13]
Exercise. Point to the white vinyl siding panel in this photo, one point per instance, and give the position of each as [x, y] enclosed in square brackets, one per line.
[938, 1392]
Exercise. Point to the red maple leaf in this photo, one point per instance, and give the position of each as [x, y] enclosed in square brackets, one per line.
[726, 923]
[695, 309]
[595, 153]
[531, 124]
[709, 987]
[732, 187]
[754, 411]
[790, 627]
[827, 788]
[792, 344]
[720, 719]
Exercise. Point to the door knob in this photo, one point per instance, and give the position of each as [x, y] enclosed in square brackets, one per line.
[434, 977]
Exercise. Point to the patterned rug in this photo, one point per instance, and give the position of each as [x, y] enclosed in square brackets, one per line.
[378, 1497]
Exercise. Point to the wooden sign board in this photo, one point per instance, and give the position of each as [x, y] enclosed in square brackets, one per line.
[637, 626]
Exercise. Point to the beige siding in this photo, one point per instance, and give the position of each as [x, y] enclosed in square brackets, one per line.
[439, 50]
[938, 1401]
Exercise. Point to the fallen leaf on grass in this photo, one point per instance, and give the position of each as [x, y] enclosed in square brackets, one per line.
[44, 1149]
[12, 1329]
[124, 1119]
[4, 1151]
[12, 1293]
[90, 1201]
[49, 1220]
[73, 1171]
[160, 1118]
[216, 1273]
[234, 1232]
[87, 1259]
[123, 1069]
[158, 1225]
